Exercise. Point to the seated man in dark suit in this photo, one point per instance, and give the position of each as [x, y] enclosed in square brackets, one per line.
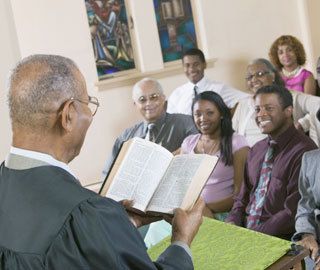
[308, 213]
[168, 130]
[47, 220]
[268, 199]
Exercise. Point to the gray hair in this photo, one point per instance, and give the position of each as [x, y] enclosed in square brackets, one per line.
[38, 86]
[277, 77]
[137, 87]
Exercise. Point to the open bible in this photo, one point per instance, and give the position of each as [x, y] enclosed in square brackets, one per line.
[155, 179]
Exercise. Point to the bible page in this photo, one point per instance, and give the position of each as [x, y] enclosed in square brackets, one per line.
[175, 183]
[139, 173]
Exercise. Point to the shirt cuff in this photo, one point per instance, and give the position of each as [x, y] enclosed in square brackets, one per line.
[184, 246]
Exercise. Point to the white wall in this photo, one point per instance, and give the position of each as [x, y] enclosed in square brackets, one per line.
[232, 31]
[9, 54]
[313, 22]
[242, 30]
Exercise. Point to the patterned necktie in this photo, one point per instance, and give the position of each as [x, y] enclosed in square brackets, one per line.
[195, 88]
[151, 132]
[255, 208]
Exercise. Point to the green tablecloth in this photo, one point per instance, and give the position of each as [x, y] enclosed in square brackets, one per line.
[219, 245]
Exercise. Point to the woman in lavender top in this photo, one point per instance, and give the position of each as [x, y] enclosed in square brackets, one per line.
[216, 137]
[212, 117]
[213, 120]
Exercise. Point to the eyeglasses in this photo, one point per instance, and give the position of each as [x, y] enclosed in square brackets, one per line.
[151, 98]
[258, 75]
[92, 103]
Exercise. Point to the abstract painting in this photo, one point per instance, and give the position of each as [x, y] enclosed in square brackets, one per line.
[110, 36]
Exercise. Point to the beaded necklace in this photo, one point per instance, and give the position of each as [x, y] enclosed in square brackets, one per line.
[292, 73]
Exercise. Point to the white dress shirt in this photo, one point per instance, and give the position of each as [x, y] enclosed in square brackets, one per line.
[180, 100]
[305, 109]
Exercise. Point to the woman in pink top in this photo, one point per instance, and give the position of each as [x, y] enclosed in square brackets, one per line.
[213, 120]
[288, 56]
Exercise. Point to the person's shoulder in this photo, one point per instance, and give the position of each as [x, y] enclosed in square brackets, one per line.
[182, 123]
[312, 156]
[72, 192]
[59, 191]
[192, 138]
[256, 148]
[180, 88]
[238, 141]
[309, 164]
[217, 84]
[96, 206]
[132, 131]
[303, 141]
[306, 72]
[260, 143]
[211, 85]
[134, 127]
[180, 117]
[238, 138]
[69, 187]
[103, 202]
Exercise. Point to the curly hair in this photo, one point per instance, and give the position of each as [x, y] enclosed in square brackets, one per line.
[291, 41]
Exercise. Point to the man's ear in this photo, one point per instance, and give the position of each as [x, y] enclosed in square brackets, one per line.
[289, 111]
[165, 105]
[68, 115]
[134, 103]
[273, 76]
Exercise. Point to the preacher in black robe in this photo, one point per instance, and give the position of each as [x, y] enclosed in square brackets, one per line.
[48, 221]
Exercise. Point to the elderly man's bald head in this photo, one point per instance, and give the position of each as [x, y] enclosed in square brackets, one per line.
[151, 83]
[38, 86]
[149, 99]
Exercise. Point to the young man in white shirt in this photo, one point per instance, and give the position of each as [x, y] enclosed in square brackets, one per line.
[194, 64]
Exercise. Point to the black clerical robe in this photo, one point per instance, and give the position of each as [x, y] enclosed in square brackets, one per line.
[48, 221]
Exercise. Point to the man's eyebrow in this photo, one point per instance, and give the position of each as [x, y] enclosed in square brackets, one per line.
[268, 104]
